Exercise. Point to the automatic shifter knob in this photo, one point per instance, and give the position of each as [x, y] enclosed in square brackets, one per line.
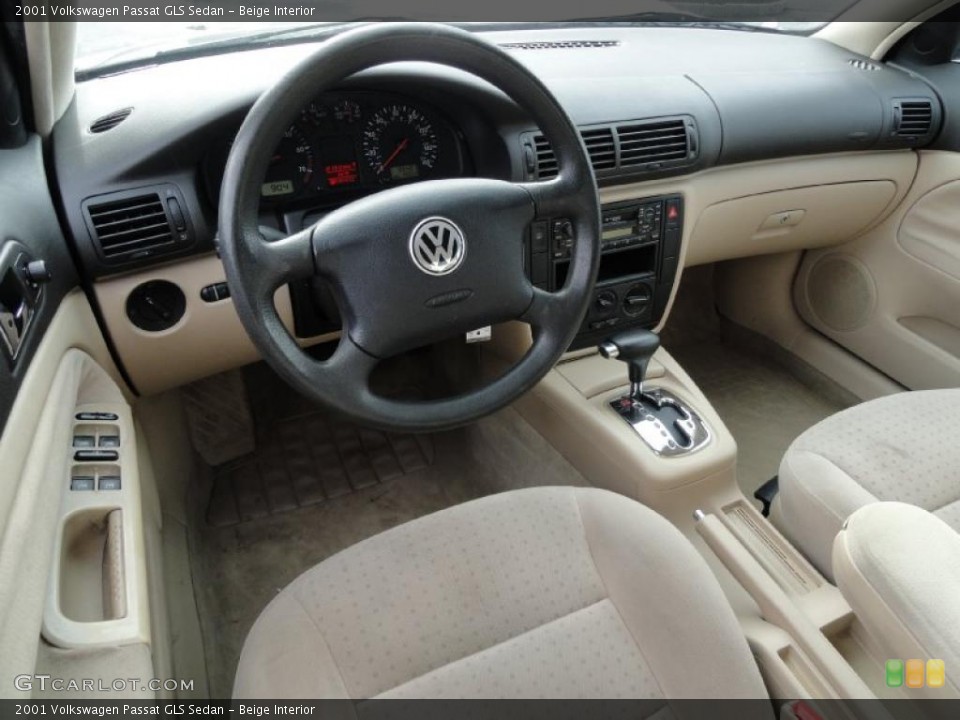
[634, 347]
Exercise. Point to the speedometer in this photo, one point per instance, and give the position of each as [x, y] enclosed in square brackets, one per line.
[400, 144]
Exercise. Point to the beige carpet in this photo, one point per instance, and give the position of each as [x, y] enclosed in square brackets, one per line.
[762, 403]
[765, 396]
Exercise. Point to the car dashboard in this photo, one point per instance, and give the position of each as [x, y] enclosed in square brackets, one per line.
[680, 125]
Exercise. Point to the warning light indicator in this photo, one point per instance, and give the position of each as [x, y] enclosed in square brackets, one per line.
[338, 174]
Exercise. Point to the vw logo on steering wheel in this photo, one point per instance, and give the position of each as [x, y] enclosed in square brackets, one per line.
[437, 246]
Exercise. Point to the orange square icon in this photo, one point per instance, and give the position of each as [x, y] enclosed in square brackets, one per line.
[914, 674]
[936, 674]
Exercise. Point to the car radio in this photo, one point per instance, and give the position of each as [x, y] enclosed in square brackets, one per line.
[640, 249]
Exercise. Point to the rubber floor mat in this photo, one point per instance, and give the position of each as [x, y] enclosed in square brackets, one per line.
[305, 455]
[307, 460]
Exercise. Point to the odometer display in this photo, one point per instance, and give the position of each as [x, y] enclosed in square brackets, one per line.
[400, 144]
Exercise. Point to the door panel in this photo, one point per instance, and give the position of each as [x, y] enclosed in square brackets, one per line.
[58, 360]
[892, 296]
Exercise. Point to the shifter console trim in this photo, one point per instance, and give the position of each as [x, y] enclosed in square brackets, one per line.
[664, 422]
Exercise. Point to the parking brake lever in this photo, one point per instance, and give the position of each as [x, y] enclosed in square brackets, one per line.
[636, 348]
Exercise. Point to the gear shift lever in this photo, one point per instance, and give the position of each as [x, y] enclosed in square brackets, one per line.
[662, 420]
[634, 347]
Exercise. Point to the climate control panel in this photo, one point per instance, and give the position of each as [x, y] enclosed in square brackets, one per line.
[640, 250]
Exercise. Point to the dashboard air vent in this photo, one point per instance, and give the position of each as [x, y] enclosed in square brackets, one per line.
[653, 142]
[643, 145]
[546, 160]
[129, 226]
[861, 64]
[601, 147]
[560, 45]
[110, 121]
[912, 118]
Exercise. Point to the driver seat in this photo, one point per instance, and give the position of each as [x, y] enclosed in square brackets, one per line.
[537, 593]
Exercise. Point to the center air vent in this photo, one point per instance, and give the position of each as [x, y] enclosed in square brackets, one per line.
[110, 121]
[653, 142]
[644, 145]
[561, 45]
[601, 147]
[912, 118]
[135, 225]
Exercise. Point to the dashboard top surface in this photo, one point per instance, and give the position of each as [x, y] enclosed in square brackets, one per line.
[752, 95]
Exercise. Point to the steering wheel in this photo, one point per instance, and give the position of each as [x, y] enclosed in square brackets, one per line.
[416, 264]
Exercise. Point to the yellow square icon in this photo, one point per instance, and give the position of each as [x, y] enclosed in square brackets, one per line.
[936, 674]
[914, 674]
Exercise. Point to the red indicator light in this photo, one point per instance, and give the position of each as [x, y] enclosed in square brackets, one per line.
[341, 174]
[672, 212]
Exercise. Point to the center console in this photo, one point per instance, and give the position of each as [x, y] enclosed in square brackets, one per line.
[640, 251]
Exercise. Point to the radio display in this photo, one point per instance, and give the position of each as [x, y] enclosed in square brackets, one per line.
[615, 233]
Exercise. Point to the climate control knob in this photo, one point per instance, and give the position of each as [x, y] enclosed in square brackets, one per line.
[637, 300]
[606, 300]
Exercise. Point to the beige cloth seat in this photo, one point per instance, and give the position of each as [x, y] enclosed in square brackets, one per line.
[536, 593]
[899, 568]
[903, 447]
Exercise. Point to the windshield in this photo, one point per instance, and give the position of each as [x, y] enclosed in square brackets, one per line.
[105, 44]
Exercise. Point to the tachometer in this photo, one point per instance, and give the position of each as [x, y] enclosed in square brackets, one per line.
[291, 167]
[399, 144]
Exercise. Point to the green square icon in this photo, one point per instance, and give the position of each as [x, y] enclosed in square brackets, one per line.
[894, 673]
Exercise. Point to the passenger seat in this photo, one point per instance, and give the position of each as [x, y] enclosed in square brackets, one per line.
[904, 447]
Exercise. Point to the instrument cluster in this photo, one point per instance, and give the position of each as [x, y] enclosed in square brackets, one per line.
[360, 142]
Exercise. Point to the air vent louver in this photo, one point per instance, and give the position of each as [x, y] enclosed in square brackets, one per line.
[653, 142]
[108, 122]
[546, 161]
[601, 147]
[913, 118]
[137, 225]
[860, 64]
[562, 45]
[641, 145]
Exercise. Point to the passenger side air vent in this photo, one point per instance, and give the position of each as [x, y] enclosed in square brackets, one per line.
[135, 225]
[861, 64]
[912, 118]
[630, 149]
[653, 142]
[562, 45]
[108, 122]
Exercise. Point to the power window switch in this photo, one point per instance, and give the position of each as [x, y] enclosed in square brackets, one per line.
[84, 441]
[81, 482]
[109, 441]
[109, 482]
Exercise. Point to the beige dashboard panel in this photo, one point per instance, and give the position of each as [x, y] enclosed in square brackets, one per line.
[709, 241]
[207, 340]
[774, 222]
